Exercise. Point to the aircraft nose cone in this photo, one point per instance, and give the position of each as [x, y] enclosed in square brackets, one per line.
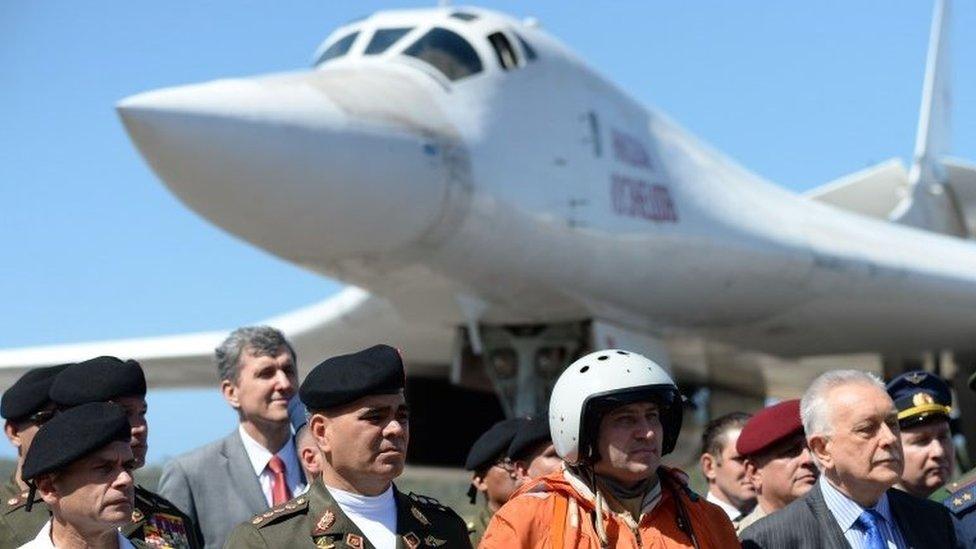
[278, 162]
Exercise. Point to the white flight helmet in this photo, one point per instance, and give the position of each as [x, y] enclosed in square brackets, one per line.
[604, 380]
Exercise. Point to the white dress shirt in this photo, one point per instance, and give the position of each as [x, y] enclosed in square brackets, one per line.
[846, 511]
[43, 540]
[730, 510]
[374, 515]
[259, 456]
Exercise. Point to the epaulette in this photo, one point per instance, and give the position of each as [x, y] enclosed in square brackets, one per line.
[16, 502]
[291, 507]
[430, 503]
[961, 497]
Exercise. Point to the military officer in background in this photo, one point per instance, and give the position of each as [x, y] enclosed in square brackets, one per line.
[924, 403]
[359, 419]
[959, 496]
[26, 407]
[531, 452]
[494, 474]
[80, 464]
[107, 379]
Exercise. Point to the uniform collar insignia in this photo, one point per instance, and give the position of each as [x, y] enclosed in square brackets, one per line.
[434, 542]
[411, 540]
[137, 515]
[921, 399]
[355, 541]
[325, 522]
[916, 378]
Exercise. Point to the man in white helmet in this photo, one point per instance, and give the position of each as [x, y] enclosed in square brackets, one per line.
[612, 415]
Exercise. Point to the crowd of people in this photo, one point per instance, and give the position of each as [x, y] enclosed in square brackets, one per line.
[853, 463]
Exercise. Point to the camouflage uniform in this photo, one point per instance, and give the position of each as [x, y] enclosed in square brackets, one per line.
[315, 520]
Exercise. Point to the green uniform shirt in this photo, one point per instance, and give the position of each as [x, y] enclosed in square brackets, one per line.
[477, 528]
[155, 521]
[315, 520]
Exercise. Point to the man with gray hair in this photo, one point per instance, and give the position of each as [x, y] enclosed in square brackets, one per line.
[851, 427]
[256, 466]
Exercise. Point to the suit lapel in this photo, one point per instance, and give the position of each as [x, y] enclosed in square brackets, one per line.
[831, 534]
[242, 474]
[903, 518]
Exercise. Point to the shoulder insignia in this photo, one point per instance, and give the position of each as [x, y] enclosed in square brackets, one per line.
[280, 510]
[431, 541]
[411, 540]
[961, 500]
[354, 540]
[963, 482]
[16, 502]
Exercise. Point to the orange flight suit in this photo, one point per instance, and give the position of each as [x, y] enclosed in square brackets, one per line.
[557, 511]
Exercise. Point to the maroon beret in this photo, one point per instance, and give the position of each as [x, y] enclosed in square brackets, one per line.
[768, 426]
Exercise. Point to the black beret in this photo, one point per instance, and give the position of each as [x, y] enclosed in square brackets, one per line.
[29, 394]
[919, 396]
[530, 434]
[73, 434]
[343, 379]
[97, 380]
[492, 445]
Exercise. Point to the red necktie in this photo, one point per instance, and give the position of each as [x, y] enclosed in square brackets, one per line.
[279, 485]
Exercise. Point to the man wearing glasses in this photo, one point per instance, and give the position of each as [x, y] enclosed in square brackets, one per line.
[25, 406]
[494, 475]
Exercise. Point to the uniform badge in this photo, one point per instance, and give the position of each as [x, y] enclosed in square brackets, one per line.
[411, 540]
[164, 531]
[921, 399]
[916, 377]
[325, 522]
[13, 501]
[137, 515]
[431, 541]
[354, 541]
[419, 516]
[324, 542]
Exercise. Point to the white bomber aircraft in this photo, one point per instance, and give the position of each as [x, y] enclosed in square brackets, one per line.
[498, 207]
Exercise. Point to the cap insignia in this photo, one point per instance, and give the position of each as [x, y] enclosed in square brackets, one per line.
[916, 377]
[921, 399]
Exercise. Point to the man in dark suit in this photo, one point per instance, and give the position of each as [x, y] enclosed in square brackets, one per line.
[256, 466]
[851, 426]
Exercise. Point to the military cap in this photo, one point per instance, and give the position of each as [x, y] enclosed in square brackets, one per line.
[343, 379]
[492, 444]
[29, 394]
[768, 427]
[530, 433]
[919, 396]
[97, 380]
[73, 434]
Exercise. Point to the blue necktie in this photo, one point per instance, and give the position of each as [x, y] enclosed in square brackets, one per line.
[870, 522]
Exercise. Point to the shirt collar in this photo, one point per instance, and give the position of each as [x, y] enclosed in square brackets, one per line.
[259, 455]
[845, 510]
[729, 509]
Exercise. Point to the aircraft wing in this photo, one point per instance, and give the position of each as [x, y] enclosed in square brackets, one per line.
[350, 320]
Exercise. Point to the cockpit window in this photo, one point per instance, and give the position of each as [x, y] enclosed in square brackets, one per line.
[529, 51]
[446, 51]
[339, 48]
[504, 51]
[384, 38]
[464, 16]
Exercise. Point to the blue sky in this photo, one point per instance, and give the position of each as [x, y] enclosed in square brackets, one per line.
[96, 248]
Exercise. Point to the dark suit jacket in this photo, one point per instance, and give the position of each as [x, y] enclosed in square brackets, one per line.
[216, 486]
[808, 523]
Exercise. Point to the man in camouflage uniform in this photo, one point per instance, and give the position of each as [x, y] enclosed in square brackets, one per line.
[25, 406]
[359, 420]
